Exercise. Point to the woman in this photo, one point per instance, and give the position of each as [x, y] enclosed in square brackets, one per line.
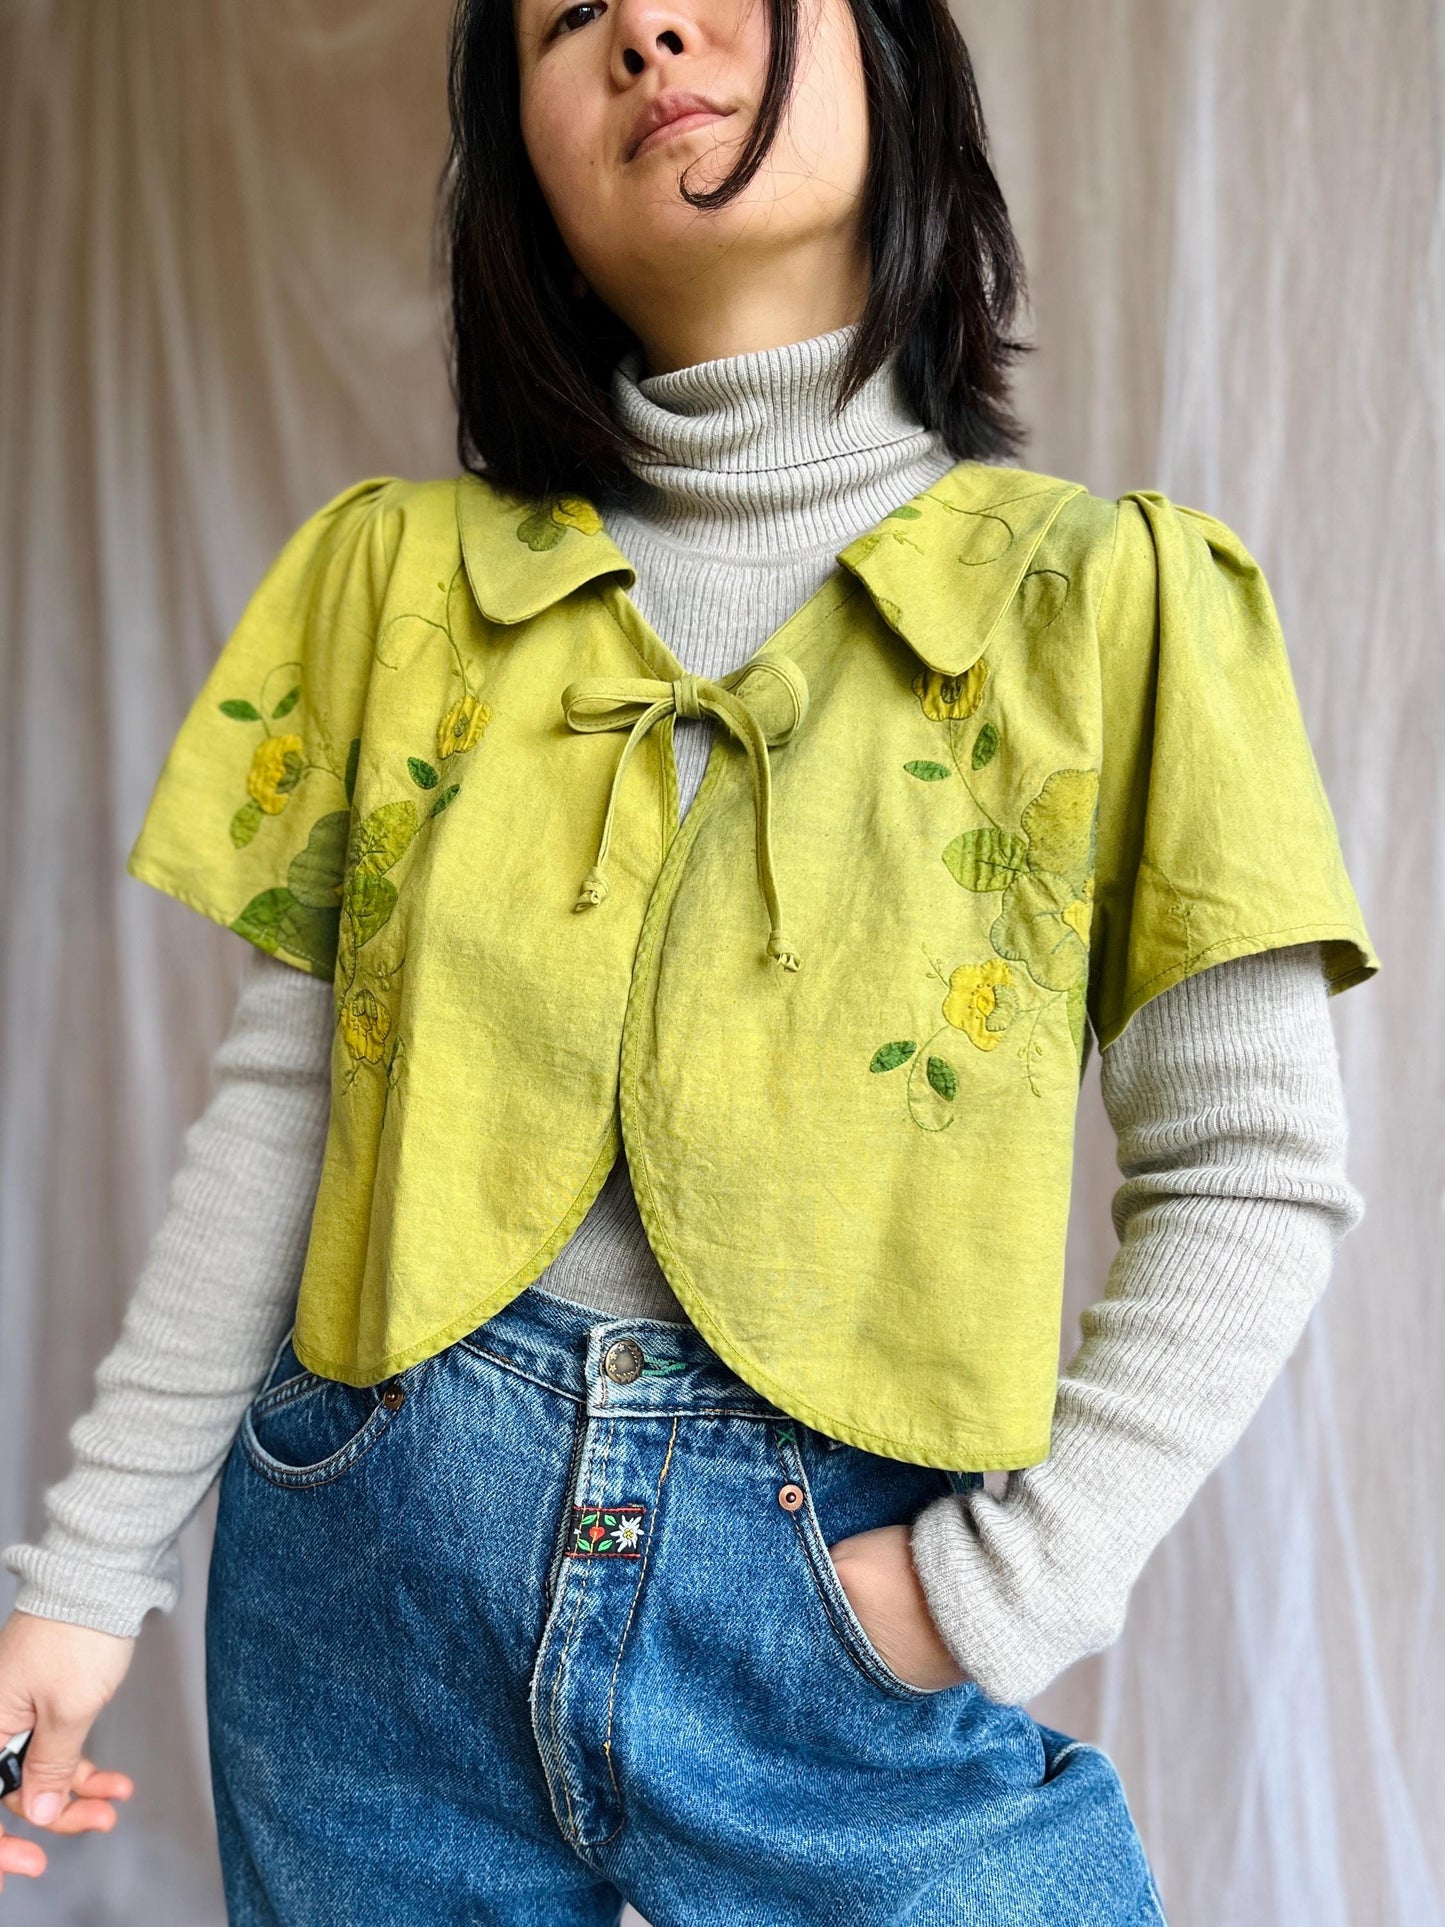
[568, 1609]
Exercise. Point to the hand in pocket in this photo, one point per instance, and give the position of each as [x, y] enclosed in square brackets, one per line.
[876, 1571]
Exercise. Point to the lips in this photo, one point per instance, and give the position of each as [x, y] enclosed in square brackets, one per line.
[666, 110]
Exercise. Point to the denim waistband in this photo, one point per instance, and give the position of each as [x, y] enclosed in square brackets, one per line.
[648, 1367]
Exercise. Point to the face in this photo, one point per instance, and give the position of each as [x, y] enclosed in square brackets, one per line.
[787, 257]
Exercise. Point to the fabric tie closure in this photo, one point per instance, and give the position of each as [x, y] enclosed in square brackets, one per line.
[776, 704]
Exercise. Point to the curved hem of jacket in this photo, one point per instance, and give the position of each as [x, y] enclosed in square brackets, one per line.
[483, 1308]
[982, 1449]
[993, 1457]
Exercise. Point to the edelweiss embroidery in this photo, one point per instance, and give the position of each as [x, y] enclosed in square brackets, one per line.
[610, 1532]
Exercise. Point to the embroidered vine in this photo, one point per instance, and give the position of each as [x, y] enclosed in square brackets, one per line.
[301, 915]
[1043, 875]
[365, 986]
[343, 886]
[1181, 911]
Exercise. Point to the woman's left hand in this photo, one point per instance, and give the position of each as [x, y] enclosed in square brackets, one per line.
[877, 1572]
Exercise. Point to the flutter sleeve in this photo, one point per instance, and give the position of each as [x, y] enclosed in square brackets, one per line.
[1215, 837]
[249, 817]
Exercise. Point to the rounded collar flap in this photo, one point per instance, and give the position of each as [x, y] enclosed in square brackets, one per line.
[943, 567]
[522, 556]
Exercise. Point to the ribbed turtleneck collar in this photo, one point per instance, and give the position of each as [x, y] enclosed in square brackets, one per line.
[754, 461]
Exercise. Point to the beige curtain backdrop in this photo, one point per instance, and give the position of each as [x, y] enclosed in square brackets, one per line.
[218, 307]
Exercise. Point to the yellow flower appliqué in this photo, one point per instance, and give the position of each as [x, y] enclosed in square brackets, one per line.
[950, 698]
[280, 763]
[365, 1023]
[275, 771]
[462, 725]
[973, 1004]
[1043, 875]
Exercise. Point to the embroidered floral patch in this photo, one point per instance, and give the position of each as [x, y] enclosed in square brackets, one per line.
[1042, 873]
[610, 1532]
[299, 916]
[544, 528]
[365, 994]
[342, 887]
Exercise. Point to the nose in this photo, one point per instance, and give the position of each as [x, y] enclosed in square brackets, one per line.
[636, 62]
[649, 34]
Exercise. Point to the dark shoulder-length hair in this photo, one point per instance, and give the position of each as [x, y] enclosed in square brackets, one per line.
[530, 362]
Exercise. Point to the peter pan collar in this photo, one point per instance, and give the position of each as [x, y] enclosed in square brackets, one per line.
[941, 568]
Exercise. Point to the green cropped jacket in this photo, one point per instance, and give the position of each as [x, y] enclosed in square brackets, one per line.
[1028, 757]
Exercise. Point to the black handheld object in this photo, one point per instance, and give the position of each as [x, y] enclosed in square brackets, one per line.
[12, 1758]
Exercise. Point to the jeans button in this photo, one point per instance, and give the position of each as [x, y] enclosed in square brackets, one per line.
[623, 1361]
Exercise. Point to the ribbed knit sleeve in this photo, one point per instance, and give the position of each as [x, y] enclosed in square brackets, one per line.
[213, 1300]
[1226, 1098]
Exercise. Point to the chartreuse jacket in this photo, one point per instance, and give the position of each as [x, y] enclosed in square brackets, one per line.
[1027, 758]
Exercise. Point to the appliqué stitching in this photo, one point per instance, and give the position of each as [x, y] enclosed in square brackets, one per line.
[544, 527]
[606, 1532]
[376, 843]
[1043, 873]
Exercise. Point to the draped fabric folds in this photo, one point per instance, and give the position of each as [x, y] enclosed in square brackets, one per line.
[220, 303]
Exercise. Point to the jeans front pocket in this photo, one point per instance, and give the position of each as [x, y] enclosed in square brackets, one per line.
[305, 1430]
[841, 1491]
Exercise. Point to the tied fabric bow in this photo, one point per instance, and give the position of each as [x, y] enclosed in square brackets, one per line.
[777, 703]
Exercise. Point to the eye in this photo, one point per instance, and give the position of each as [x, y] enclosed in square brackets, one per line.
[559, 25]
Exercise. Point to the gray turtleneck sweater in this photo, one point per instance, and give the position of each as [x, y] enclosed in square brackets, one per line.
[1224, 1092]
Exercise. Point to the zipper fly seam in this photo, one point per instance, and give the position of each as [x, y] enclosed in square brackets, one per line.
[562, 1666]
[627, 1627]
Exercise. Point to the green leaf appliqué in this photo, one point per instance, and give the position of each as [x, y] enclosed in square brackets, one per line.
[888, 1057]
[986, 859]
[942, 1077]
[245, 823]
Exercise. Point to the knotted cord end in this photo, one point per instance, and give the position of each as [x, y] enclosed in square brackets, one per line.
[594, 889]
[783, 953]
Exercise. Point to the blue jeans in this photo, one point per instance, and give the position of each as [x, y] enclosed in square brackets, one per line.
[548, 1621]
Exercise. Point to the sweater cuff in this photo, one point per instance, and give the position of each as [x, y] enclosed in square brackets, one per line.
[83, 1592]
[998, 1633]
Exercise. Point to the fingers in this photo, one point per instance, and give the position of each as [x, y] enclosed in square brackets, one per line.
[53, 1764]
[20, 1856]
[54, 1679]
[83, 1816]
[90, 1811]
[100, 1783]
